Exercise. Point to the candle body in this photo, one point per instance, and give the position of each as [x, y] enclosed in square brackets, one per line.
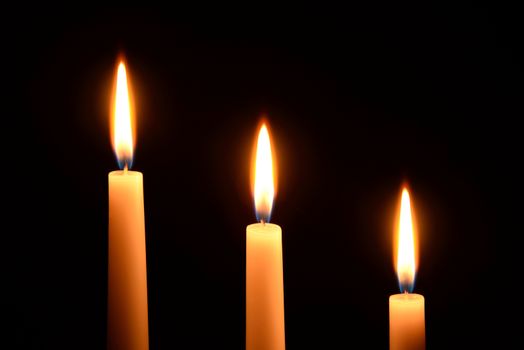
[127, 321]
[406, 322]
[264, 288]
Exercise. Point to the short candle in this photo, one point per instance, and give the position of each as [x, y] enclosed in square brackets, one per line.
[264, 276]
[127, 316]
[406, 310]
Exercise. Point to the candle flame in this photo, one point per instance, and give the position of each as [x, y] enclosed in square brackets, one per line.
[122, 120]
[406, 257]
[264, 176]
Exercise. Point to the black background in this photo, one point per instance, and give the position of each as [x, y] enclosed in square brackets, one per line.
[358, 99]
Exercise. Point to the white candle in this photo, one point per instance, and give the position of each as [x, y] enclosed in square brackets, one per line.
[406, 310]
[406, 322]
[127, 320]
[264, 276]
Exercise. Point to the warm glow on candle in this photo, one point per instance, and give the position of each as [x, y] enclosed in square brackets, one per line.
[405, 257]
[127, 311]
[122, 120]
[407, 330]
[264, 185]
[264, 266]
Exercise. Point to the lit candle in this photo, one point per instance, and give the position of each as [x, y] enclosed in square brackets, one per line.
[264, 277]
[127, 324]
[406, 310]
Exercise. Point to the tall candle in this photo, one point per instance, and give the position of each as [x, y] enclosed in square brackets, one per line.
[264, 276]
[127, 321]
[406, 310]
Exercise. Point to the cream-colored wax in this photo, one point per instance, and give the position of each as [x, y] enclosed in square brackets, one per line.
[264, 288]
[406, 322]
[127, 321]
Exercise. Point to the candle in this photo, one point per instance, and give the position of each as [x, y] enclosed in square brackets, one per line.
[406, 310]
[127, 323]
[264, 276]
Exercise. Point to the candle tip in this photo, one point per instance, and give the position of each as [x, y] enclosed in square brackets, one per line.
[406, 256]
[122, 121]
[264, 176]
[125, 163]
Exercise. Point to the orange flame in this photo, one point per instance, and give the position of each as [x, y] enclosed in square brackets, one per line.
[122, 121]
[406, 252]
[264, 176]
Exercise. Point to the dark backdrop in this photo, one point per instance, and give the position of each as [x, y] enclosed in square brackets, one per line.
[358, 99]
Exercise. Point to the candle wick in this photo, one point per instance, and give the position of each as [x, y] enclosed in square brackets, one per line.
[125, 168]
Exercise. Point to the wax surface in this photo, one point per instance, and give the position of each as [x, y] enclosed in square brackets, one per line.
[406, 322]
[264, 288]
[127, 321]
